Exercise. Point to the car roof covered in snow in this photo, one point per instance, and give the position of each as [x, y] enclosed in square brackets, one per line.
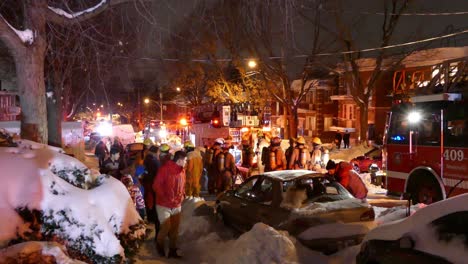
[286, 175]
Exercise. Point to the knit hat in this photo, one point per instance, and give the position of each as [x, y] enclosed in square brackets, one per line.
[331, 165]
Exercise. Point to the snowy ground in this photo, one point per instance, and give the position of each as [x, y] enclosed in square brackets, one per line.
[202, 239]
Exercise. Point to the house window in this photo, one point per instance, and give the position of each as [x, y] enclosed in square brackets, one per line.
[313, 124]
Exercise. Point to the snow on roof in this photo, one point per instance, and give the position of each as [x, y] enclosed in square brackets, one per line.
[419, 58]
[286, 175]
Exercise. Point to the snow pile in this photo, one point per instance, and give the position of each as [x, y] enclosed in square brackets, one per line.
[373, 189]
[47, 195]
[262, 244]
[396, 213]
[191, 226]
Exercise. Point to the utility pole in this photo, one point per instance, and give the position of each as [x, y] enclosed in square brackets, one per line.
[161, 104]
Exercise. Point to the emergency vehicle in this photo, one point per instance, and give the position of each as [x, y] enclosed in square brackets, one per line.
[425, 151]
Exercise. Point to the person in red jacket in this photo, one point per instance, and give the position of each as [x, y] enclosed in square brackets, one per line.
[169, 187]
[343, 172]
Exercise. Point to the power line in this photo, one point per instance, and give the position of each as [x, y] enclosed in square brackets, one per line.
[323, 54]
[401, 14]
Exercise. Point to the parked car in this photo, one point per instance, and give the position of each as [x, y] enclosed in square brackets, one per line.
[293, 200]
[368, 161]
[437, 233]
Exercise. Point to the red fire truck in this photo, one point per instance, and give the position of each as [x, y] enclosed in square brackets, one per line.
[426, 146]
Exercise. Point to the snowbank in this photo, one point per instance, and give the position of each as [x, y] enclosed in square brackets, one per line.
[42, 185]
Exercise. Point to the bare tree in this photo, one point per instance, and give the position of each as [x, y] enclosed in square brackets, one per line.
[266, 29]
[361, 87]
[26, 39]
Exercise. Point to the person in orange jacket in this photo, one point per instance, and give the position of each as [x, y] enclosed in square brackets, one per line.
[193, 170]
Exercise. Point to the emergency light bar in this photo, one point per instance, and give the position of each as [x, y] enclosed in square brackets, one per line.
[436, 97]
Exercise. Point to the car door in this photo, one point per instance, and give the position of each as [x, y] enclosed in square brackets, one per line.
[268, 210]
[235, 209]
[263, 205]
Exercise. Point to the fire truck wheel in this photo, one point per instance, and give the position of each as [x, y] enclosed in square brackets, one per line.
[426, 193]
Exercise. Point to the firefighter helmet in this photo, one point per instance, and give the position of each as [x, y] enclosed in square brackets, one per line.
[316, 140]
[300, 140]
[276, 141]
[188, 144]
[219, 141]
[164, 147]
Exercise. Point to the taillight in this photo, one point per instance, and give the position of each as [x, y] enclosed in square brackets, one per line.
[368, 215]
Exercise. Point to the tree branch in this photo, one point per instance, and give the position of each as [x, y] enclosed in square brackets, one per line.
[62, 17]
[9, 36]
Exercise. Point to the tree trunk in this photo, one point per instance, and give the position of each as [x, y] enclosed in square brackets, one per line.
[30, 72]
[287, 131]
[293, 122]
[54, 113]
[364, 117]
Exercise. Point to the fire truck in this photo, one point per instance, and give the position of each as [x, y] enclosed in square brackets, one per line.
[425, 152]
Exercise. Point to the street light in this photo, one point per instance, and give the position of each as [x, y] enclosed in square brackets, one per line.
[252, 64]
[147, 101]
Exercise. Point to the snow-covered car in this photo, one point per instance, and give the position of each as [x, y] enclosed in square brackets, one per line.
[437, 233]
[294, 200]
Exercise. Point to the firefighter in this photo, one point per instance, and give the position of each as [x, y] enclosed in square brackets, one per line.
[300, 157]
[247, 154]
[316, 155]
[274, 159]
[193, 170]
[226, 168]
[211, 165]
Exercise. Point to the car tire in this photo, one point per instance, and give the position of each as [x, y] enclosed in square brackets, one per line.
[220, 215]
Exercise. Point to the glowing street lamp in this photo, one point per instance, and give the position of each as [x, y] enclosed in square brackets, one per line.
[178, 89]
[147, 101]
[252, 64]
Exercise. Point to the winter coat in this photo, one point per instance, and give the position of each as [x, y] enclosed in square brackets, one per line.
[170, 185]
[347, 177]
[194, 167]
[137, 197]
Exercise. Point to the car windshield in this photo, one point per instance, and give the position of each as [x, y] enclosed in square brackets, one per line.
[319, 190]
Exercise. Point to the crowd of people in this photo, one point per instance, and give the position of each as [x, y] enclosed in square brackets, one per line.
[159, 179]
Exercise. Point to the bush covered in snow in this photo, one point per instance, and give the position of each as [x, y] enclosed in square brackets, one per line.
[49, 196]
